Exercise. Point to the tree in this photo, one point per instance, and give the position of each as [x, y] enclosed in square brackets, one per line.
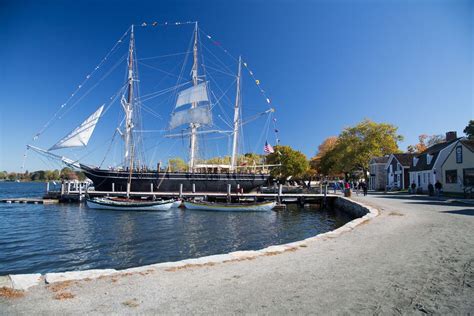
[424, 142]
[68, 174]
[177, 165]
[356, 145]
[293, 163]
[469, 130]
[315, 162]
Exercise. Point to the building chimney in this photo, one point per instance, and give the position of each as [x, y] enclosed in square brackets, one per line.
[450, 136]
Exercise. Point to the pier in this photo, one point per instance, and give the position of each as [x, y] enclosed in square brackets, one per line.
[76, 192]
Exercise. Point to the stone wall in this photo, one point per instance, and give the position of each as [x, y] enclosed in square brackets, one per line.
[351, 207]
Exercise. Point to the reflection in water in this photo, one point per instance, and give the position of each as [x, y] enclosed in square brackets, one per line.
[45, 238]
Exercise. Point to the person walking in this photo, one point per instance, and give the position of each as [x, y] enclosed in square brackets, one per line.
[364, 188]
[438, 187]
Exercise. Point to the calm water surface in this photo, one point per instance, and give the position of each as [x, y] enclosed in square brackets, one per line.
[47, 238]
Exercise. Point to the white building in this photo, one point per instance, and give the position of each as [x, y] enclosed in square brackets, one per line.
[426, 168]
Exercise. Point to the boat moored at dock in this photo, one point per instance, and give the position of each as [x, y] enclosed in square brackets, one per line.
[129, 205]
[230, 207]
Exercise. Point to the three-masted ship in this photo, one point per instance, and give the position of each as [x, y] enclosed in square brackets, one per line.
[192, 110]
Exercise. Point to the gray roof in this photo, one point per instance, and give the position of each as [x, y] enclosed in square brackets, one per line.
[383, 159]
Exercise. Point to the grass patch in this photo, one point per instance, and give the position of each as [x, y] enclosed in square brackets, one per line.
[11, 293]
[63, 296]
[395, 214]
[131, 303]
[59, 286]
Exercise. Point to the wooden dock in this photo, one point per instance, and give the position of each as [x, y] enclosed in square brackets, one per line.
[76, 192]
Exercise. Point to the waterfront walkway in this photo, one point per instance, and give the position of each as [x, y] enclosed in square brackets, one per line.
[416, 257]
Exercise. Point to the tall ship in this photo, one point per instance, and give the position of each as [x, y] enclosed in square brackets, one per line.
[192, 118]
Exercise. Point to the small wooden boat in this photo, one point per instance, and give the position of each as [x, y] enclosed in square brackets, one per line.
[129, 205]
[230, 207]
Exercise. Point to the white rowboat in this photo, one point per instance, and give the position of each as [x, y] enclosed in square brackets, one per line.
[129, 205]
[230, 207]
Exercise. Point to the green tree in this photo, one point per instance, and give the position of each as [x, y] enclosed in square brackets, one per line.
[3, 174]
[293, 163]
[358, 144]
[68, 174]
[177, 165]
[38, 176]
[469, 130]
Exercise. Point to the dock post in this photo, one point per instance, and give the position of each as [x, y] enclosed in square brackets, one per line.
[113, 187]
[62, 188]
[68, 187]
[151, 187]
[194, 187]
[180, 190]
[280, 192]
[325, 193]
[229, 190]
[47, 187]
[80, 192]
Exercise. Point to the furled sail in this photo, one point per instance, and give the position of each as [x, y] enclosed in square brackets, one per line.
[80, 135]
[199, 115]
[196, 93]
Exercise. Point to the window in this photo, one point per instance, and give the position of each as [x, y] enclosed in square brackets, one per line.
[468, 175]
[451, 176]
[429, 158]
[424, 177]
[459, 154]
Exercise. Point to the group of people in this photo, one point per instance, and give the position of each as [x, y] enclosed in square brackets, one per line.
[432, 190]
[359, 187]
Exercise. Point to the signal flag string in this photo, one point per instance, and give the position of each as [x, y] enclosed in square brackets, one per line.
[79, 87]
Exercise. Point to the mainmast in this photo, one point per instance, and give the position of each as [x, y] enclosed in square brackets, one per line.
[128, 109]
[194, 126]
[236, 119]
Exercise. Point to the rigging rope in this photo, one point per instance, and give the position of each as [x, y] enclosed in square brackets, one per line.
[79, 87]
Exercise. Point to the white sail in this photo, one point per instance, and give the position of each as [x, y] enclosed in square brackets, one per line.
[196, 93]
[199, 115]
[80, 136]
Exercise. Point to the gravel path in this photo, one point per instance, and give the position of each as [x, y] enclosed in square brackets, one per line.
[416, 257]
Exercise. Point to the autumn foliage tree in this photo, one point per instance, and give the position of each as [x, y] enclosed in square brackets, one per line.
[425, 141]
[356, 145]
[315, 162]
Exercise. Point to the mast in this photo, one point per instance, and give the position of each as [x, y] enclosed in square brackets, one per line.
[194, 126]
[128, 108]
[236, 119]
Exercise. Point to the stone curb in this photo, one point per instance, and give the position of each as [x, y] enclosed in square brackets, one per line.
[25, 281]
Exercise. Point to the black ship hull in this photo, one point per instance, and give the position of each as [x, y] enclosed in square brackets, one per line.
[148, 181]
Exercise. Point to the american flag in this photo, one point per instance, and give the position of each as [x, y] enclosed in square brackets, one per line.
[268, 149]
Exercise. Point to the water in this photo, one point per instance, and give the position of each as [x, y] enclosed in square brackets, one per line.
[63, 237]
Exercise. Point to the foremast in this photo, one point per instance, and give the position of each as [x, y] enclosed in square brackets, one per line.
[194, 126]
[233, 163]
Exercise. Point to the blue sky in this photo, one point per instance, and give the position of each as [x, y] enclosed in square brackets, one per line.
[325, 64]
